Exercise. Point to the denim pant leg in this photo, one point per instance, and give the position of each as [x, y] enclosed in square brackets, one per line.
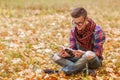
[73, 59]
[94, 63]
[81, 64]
[64, 62]
[78, 66]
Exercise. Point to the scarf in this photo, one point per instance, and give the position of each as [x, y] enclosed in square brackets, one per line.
[84, 37]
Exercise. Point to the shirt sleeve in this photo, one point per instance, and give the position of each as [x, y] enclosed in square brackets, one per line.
[99, 39]
[72, 40]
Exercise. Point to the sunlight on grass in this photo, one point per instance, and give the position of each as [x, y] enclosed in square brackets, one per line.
[31, 30]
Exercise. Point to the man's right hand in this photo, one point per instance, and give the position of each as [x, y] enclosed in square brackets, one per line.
[63, 53]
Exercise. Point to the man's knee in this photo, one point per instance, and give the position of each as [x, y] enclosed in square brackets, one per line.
[90, 55]
[56, 57]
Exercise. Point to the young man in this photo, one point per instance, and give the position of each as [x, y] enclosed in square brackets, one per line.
[86, 43]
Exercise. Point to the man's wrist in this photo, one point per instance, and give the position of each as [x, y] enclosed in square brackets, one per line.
[83, 52]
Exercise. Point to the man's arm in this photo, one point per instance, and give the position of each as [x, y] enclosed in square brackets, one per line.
[99, 39]
[72, 40]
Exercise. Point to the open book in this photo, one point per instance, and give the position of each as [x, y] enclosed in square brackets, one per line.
[69, 51]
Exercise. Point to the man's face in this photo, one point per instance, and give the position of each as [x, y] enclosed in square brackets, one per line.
[79, 22]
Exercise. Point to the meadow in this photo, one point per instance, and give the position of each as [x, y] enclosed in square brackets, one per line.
[31, 30]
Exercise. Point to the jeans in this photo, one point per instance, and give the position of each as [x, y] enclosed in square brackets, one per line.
[73, 65]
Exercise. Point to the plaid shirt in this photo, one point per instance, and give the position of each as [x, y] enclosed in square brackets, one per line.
[98, 39]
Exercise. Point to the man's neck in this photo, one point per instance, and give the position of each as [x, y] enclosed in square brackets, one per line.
[86, 23]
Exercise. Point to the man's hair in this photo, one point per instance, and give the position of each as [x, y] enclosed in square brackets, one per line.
[77, 12]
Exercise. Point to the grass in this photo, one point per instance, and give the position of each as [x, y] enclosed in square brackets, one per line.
[31, 30]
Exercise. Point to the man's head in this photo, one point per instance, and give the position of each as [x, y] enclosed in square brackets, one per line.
[79, 16]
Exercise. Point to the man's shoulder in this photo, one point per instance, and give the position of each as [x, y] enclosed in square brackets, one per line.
[97, 28]
[98, 32]
[73, 29]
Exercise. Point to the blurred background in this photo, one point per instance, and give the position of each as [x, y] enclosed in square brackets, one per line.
[31, 30]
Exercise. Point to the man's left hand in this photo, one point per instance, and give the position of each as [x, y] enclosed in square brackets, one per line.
[78, 53]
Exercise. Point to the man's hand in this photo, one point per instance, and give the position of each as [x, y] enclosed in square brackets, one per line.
[78, 53]
[63, 53]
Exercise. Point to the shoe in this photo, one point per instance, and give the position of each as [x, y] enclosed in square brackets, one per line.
[88, 72]
[49, 71]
